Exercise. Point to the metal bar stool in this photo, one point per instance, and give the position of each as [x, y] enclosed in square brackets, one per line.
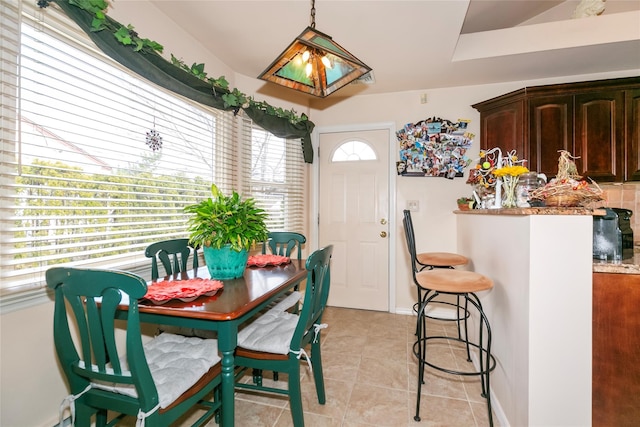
[429, 261]
[460, 284]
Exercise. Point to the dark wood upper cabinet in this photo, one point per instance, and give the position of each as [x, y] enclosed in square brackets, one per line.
[502, 126]
[596, 121]
[550, 130]
[632, 108]
[599, 135]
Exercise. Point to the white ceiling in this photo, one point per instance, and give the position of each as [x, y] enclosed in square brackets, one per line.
[418, 45]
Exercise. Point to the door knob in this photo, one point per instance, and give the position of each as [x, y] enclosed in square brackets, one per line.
[383, 234]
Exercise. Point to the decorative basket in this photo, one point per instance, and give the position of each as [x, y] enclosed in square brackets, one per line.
[563, 200]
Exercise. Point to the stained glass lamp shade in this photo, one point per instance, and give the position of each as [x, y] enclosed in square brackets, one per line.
[315, 64]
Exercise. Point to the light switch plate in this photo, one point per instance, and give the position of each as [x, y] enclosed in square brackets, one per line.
[413, 205]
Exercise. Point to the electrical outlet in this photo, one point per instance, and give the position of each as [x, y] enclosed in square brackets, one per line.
[413, 205]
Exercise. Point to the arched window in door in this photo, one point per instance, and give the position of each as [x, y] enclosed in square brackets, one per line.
[353, 151]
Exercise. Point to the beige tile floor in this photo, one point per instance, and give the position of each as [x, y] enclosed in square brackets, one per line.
[371, 380]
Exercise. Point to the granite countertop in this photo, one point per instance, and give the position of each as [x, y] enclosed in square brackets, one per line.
[626, 266]
[534, 211]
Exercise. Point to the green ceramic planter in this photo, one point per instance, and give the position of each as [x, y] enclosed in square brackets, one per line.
[225, 263]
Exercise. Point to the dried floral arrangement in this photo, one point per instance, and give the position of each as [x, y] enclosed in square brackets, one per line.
[568, 188]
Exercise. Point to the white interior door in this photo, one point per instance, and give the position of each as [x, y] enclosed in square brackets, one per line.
[353, 213]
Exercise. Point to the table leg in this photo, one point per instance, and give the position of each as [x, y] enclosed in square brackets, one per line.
[227, 341]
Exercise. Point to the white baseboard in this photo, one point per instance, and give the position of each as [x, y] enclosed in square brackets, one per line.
[495, 403]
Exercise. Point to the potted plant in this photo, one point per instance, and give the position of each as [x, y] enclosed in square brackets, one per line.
[226, 227]
[465, 203]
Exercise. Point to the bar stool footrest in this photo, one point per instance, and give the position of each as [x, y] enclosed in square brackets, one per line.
[483, 351]
[460, 317]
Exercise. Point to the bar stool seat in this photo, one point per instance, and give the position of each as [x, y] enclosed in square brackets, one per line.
[438, 260]
[453, 281]
[441, 259]
[462, 284]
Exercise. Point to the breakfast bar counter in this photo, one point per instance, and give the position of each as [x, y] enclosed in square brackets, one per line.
[540, 309]
[534, 211]
[626, 266]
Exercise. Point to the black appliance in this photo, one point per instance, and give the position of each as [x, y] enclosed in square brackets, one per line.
[612, 235]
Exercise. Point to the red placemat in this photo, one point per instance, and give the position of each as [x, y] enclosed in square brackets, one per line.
[183, 290]
[265, 260]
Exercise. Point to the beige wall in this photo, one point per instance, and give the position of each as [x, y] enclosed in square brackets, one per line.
[31, 385]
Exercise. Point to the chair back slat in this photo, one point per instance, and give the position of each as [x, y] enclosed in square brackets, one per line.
[94, 296]
[78, 307]
[173, 255]
[315, 295]
[97, 336]
[110, 300]
[284, 243]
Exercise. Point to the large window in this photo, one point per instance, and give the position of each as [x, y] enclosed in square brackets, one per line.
[277, 180]
[81, 181]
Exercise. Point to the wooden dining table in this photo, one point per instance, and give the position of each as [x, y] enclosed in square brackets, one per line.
[224, 312]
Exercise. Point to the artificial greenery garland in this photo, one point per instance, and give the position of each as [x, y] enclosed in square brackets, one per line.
[142, 55]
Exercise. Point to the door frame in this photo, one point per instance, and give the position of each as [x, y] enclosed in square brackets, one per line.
[315, 192]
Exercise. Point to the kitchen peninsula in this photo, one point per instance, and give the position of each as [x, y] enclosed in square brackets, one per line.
[540, 309]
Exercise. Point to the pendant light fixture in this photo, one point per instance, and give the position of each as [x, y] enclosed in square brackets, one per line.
[315, 64]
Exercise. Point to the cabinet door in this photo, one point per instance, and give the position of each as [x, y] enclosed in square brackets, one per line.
[503, 127]
[599, 132]
[550, 130]
[616, 349]
[632, 146]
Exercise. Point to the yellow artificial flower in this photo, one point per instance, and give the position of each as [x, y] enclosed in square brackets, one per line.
[510, 171]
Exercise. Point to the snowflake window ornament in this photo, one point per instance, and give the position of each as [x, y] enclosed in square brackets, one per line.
[154, 140]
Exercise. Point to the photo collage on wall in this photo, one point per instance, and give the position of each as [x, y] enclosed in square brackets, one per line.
[434, 147]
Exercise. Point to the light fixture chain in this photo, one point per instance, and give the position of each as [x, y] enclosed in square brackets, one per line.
[313, 13]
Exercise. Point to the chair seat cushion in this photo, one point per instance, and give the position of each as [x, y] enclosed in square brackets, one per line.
[176, 364]
[270, 332]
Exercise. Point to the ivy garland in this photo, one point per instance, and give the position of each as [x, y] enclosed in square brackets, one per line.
[126, 35]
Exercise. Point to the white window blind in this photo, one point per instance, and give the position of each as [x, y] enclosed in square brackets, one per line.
[277, 180]
[81, 186]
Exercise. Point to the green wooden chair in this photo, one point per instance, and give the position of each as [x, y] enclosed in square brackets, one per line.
[276, 340]
[283, 243]
[157, 382]
[173, 254]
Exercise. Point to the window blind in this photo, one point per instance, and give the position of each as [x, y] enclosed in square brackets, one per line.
[81, 184]
[277, 180]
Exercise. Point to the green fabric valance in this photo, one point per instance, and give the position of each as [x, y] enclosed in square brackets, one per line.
[158, 70]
